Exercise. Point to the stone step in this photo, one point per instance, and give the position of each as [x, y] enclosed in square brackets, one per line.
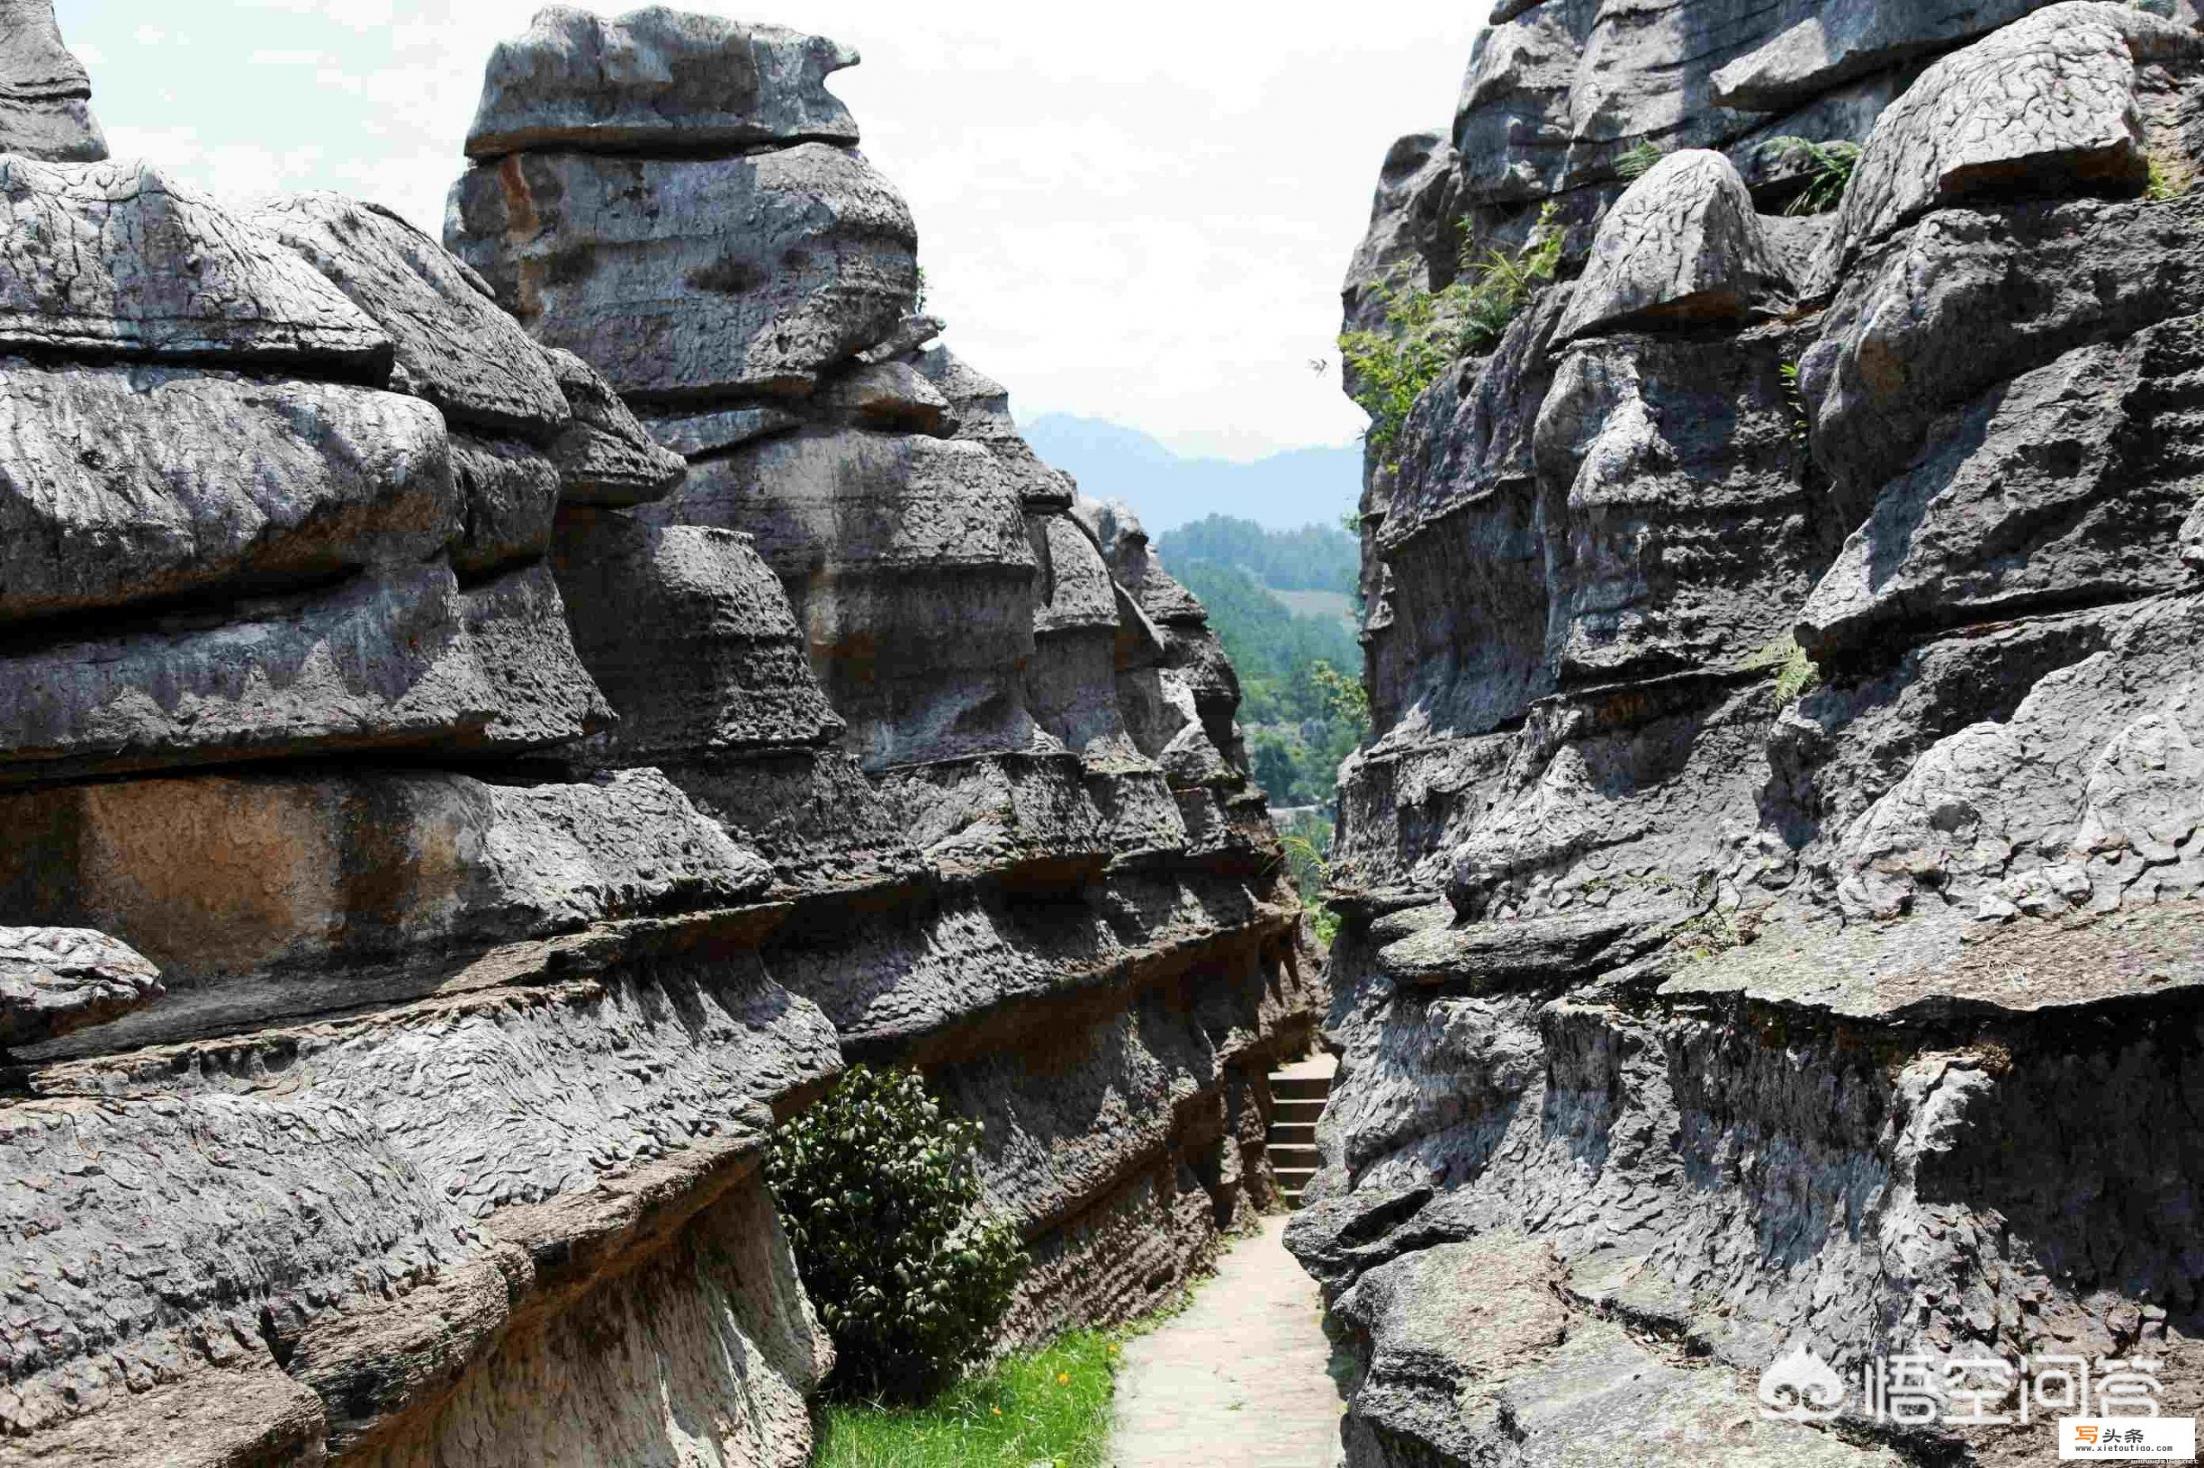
[1296, 1113]
[1290, 1134]
[1300, 1088]
[1282, 1158]
[1291, 1182]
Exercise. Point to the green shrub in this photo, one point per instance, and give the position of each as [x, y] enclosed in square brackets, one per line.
[1796, 674]
[1425, 333]
[1828, 171]
[879, 1189]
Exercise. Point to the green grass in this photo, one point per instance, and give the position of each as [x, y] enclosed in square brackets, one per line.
[1051, 1407]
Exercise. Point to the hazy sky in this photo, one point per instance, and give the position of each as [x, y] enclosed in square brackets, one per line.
[1138, 211]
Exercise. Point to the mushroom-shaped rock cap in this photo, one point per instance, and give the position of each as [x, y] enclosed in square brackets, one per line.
[657, 79]
[1682, 244]
[45, 96]
[54, 980]
[2047, 104]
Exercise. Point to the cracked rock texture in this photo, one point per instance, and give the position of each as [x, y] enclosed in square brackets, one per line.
[1771, 889]
[484, 731]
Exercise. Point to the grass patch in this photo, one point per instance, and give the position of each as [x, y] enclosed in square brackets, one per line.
[1050, 1407]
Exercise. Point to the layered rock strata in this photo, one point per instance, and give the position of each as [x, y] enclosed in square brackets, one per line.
[451, 816]
[887, 648]
[1772, 918]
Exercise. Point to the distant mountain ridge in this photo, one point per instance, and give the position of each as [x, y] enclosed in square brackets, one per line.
[1283, 491]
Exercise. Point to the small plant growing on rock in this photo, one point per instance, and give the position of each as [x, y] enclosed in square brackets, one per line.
[879, 1189]
[1637, 161]
[1425, 333]
[1828, 171]
[1796, 674]
[2169, 178]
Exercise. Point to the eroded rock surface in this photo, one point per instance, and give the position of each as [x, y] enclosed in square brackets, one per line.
[1772, 866]
[476, 745]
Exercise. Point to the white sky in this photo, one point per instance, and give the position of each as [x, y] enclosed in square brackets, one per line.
[1137, 211]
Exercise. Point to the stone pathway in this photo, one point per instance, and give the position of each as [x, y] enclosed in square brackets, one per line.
[1237, 1381]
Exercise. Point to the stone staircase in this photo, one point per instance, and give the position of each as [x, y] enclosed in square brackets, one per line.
[1298, 1093]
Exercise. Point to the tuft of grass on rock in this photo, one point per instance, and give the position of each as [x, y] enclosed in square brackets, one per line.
[1051, 1406]
[1828, 168]
[1796, 674]
[1636, 162]
[2169, 178]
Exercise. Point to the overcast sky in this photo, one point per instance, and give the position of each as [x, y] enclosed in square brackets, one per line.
[1137, 211]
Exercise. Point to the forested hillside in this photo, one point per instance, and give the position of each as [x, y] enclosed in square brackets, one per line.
[1299, 667]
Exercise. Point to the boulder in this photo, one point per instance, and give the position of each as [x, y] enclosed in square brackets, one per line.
[657, 81]
[127, 485]
[45, 97]
[453, 345]
[116, 259]
[605, 456]
[2048, 105]
[631, 264]
[1682, 246]
[54, 980]
[1407, 230]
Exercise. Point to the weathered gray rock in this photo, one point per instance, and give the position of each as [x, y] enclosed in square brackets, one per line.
[246, 878]
[400, 661]
[2049, 104]
[886, 395]
[908, 567]
[981, 409]
[1407, 232]
[2065, 486]
[114, 258]
[1702, 991]
[643, 599]
[121, 485]
[605, 456]
[657, 80]
[700, 435]
[45, 96]
[1968, 298]
[1681, 246]
[1840, 41]
[507, 494]
[1675, 476]
[630, 264]
[54, 980]
[453, 345]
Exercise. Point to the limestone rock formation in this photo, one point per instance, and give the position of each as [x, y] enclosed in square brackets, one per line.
[538, 719]
[1771, 918]
[45, 96]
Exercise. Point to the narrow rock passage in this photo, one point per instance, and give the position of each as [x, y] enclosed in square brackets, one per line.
[1239, 1380]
